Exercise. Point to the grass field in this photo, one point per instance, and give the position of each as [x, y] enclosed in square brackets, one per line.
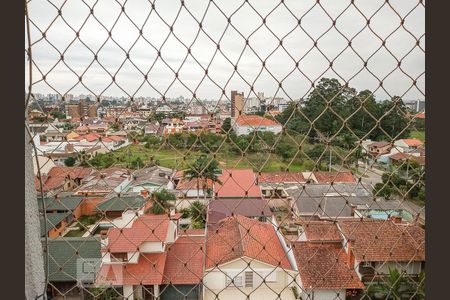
[420, 135]
[181, 159]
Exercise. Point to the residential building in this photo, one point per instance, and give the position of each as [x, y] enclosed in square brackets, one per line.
[84, 108]
[247, 259]
[151, 255]
[246, 124]
[113, 208]
[333, 177]
[323, 265]
[219, 209]
[379, 148]
[54, 224]
[325, 201]
[407, 145]
[237, 103]
[103, 182]
[60, 179]
[67, 257]
[151, 179]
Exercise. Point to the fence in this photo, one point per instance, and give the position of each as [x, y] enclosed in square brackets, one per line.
[291, 166]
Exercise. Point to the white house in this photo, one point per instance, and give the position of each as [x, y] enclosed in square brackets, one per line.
[246, 124]
[236, 266]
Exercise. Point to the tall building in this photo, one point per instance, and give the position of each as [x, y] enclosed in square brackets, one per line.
[82, 109]
[237, 103]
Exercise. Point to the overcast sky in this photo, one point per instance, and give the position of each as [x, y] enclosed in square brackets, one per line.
[297, 41]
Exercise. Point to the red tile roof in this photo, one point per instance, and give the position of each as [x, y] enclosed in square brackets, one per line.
[420, 116]
[147, 228]
[184, 263]
[237, 183]
[193, 184]
[255, 120]
[379, 240]
[317, 231]
[91, 137]
[324, 266]
[328, 177]
[148, 270]
[412, 142]
[281, 177]
[57, 175]
[238, 237]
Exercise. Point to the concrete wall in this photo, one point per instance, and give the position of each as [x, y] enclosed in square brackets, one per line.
[323, 294]
[152, 247]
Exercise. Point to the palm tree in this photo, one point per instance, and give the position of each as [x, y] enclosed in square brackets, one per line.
[205, 170]
[394, 287]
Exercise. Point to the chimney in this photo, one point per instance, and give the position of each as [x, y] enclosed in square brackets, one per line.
[350, 255]
[396, 219]
[353, 211]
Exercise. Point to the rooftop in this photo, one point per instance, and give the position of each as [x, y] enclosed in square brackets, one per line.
[324, 266]
[239, 237]
[380, 240]
[281, 177]
[255, 120]
[121, 203]
[237, 183]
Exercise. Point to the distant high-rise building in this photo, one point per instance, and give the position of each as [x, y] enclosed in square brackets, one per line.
[237, 103]
[81, 109]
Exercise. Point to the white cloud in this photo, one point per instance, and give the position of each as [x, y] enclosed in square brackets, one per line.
[315, 24]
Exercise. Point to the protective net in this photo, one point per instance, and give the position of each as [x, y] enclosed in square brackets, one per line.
[228, 149]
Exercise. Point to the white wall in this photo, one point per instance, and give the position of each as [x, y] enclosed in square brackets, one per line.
[128, 292]
[151, 247]
[240, 130]
[324, 294]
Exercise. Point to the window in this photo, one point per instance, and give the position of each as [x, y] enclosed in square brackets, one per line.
[248, 279]
[119, 257]
[237, 279]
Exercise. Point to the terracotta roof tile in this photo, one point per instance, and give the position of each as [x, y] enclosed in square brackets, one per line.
[328, 177]
[324, 266]
[380, 240]
[255, 120]
[321, 231]
[237, 183]
[184, 263]
[149, 270]
[412, 142]
[238, 237]
[147, 228]
[281, 177]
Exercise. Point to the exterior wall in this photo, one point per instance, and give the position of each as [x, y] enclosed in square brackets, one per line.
[89, 204]
[324, 294]
[215, 281]
[184, 203]
[152, 247]
[241, 130]
[412, 268]
[171, 232]
[133, 257]
[55, 232]
[128, 292]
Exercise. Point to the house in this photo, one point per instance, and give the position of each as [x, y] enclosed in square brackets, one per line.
[114, 207]
[377, 245]
[150, 179]
[247, 259]
[407, 145]
[171, 126]
[339, 259]
[246, 124]
[237, 183]
[102, 183]
[134, 258]
[71, 205]
[323, 265]
[273, 184]
[325, 201]
[67, 257]
[219, 209]
[378, 148]
[54, 224]
[333, 177]
[400, 157]
[62, 179]
[183, 270]
[151, 129]
[53, 134]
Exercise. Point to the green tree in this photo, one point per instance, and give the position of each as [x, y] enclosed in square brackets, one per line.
[204, 169]
[161, 201]
[197, 213]
[69, 162]
[226, 125]
[394, 287]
